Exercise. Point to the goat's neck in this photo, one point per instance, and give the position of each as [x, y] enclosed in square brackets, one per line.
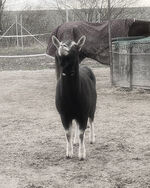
[70, 84]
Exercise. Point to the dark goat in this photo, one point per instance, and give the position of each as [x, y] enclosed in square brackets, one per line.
[75, 93]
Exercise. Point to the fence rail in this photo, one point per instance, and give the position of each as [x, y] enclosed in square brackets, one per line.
[16, 36]
[113, 52]
[26, 56]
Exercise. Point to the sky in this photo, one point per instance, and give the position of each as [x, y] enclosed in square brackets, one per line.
[49, 4]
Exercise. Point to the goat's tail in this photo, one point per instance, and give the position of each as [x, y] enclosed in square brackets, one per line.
[92, 76]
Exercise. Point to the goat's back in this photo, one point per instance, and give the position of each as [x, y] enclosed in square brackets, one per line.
[83, 70]
[88, 89]
[81, 103]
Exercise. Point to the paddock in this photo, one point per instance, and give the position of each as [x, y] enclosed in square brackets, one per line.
[32, 139]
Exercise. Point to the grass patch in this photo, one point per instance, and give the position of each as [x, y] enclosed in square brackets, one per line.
[34, 49]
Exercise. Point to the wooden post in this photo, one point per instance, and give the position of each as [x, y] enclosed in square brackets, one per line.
[66, 9]
[7, 30]
[17, 32]
[99, 17]
[21, 32]
[131, 66]
[32, 35]
[110, 43]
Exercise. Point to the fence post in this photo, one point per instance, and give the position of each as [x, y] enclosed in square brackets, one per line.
[110, 43]
[21, 32]
[66, 9]
[17, 31]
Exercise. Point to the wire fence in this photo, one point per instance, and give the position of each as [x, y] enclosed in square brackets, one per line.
[25, 40]
[130, 54]
[31, 47]
[23, 45]
[15, 36]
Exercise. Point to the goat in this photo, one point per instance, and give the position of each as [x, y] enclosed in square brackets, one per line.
[75, 93]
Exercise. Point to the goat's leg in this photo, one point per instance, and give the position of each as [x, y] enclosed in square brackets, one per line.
[82, 151]
[76, 134]
[69, 149]
[91, 134]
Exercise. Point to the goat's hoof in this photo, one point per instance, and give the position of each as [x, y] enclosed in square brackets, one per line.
[82, 157]
[69, 156]
[92, 141]
[75, 143]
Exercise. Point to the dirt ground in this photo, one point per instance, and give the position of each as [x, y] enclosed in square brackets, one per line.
[32, 140]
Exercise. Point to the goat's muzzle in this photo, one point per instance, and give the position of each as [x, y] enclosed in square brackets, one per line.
[62, 50]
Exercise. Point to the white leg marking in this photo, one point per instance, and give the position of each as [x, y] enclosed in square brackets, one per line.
[91, 134]
[82, 151]
[69, 149]
[76, 134]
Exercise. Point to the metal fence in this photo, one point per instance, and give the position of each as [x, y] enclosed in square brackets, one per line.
[131, 63]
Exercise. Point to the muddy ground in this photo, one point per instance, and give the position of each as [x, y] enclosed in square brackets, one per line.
[32, 140]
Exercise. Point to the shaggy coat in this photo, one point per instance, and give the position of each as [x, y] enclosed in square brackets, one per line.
[75, 93]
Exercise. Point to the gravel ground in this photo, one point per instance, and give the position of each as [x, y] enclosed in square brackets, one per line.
[32, 140]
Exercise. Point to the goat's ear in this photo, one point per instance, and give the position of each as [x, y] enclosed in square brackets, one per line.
[81, 42]
[55, 41]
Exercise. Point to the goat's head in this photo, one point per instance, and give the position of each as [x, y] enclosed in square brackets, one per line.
[68, 47]
[68, 54]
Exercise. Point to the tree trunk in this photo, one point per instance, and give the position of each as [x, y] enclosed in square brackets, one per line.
[0, 17]
[2, 2]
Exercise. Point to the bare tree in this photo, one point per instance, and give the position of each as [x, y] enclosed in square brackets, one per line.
[2, 3]
[93, 10]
